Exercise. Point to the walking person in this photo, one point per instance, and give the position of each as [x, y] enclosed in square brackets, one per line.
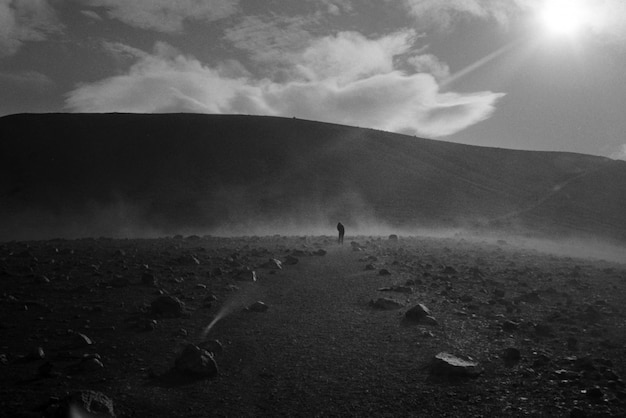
[342, 231]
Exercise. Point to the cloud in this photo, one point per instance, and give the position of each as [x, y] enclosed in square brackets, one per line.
[91, 14]
[349, 56]
[337, 7]
[25, 20]
[165, 15]
[346, 78]
[270, 39]
[444, 13]
[429, 63]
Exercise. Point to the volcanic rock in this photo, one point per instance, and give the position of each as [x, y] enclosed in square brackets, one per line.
[420, 314]
[197, 362]
[386, 304]
[393, 237]
[83, 403]
[384, 272]
[246, 276]
[257, 306]
[167, 306]
[319, 252]
[448, 365]
[80, 340]
[399, 289]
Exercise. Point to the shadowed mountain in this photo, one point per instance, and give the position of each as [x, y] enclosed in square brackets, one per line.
[71, 175]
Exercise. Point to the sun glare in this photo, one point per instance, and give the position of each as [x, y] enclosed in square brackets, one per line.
[564, 17]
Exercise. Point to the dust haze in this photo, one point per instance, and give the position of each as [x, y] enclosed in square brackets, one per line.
[243, 213]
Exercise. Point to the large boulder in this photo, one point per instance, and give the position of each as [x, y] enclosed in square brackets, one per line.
[196, 362]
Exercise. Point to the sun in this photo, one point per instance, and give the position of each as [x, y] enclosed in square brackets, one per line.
[564, 17]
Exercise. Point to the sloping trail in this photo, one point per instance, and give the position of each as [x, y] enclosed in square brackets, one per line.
[319, 349]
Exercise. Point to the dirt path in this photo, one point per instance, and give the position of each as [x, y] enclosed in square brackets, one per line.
[319, 349]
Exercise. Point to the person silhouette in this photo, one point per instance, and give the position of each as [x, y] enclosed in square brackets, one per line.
[342, 231]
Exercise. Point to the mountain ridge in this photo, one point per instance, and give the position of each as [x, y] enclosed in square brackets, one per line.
[123, 174]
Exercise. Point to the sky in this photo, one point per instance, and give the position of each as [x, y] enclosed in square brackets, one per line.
[525, 74]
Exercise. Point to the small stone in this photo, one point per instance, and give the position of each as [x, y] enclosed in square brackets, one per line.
[91, 364]
[36, 353]
[384, 272]
[370, 267]
[167, 306]
[274, 264]
[290, 260]
[319, 252]
[247, 276]
[448, 365]
[393, 237]
[257, 307]
[80, 340]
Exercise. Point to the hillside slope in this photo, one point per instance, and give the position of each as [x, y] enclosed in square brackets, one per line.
[74, 175]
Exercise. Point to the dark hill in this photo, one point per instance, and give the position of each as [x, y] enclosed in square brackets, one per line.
[73, 175]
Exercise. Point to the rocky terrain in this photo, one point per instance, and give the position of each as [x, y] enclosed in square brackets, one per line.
[381, 326]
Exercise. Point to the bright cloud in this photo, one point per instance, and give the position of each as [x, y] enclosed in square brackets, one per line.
[165, 15]
[25, 20]
[349, 56]
[429, 63]
[345, 79]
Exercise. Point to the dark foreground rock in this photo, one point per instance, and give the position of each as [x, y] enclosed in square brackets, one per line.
[79, 404]
[196, 362]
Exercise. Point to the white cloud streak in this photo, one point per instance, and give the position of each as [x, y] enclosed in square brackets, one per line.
[165, 15]
[346, 78]
[23, 21]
